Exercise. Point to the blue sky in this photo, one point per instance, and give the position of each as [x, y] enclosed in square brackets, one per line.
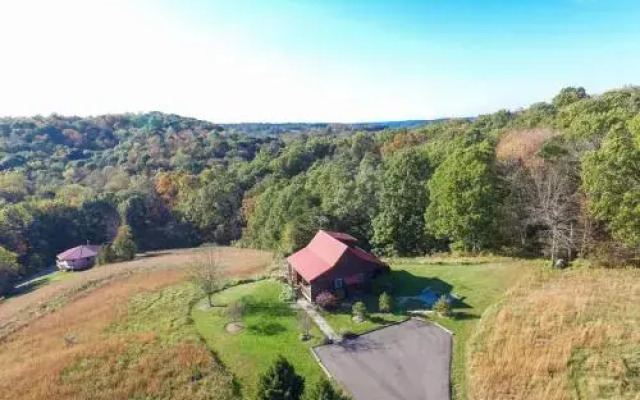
[325, 60]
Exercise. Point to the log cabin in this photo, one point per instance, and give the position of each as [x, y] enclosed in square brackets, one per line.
[333, 262]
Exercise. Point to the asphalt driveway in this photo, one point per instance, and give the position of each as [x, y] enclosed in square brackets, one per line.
[408, 361]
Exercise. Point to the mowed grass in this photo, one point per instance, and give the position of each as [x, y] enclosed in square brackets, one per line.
[341, 319]
[561, 335]
[477, 282]
[271, 329]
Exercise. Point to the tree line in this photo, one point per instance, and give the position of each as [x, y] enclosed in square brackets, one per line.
[558, 179]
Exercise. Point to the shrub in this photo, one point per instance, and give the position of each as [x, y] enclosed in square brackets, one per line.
[442, 306]
[327, 300]
[106, 255]
[9, 269]
[324, 390]
[385, 303]
[359, 309]
[235, 309]
[288, 293]
[280, 382]
[123, 245]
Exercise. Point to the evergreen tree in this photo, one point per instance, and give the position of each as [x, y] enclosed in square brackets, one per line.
[324, 390]
[384, 303]
[280, 382]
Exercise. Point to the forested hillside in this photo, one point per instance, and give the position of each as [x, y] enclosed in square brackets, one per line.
[559, 179]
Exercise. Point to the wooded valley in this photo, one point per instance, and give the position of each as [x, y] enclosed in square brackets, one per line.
[558, 179]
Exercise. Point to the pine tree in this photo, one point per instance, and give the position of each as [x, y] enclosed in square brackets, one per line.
[280, 382]
[384, 303]
[325, 391]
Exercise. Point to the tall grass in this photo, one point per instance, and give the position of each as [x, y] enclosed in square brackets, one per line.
[128, 338]
[561, 335]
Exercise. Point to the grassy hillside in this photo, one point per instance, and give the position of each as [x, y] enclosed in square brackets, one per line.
[130, 337]
[561, 335]
[556, 335]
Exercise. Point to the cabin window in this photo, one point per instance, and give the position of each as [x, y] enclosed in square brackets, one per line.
[338, 283]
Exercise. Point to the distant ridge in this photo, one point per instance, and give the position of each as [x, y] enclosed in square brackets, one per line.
[259, 128]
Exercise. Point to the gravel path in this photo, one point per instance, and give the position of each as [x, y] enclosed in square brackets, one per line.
[320, 321]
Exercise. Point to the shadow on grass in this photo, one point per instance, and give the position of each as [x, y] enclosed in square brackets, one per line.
[27, 288]
[382, 320]
[253, 306]
[32, 282]
[459, 262]
[463, 316]
[264, 328]
[150, 254]
[403, 283]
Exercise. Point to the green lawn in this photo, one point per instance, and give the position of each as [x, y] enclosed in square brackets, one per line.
[271, 326]
[341, 319]
[478, 282]
[271, 329]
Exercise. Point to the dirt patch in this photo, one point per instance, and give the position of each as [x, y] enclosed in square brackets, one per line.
[33, 358]
[234, 327]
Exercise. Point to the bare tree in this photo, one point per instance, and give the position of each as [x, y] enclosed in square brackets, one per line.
[305, 323]
[235, 310]
[207, 272]
[280, 269]
[553, 206]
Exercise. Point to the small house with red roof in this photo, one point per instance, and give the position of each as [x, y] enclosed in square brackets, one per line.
[333, 262]
[77, 258]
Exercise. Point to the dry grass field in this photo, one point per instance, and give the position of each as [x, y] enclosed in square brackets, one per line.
[561, 335]
[69, 352]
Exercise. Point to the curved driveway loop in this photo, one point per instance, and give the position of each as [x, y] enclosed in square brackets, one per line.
[408, 361]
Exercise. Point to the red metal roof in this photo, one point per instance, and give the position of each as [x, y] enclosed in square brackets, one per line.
[343, 237]
[79, 252]
[323, 253]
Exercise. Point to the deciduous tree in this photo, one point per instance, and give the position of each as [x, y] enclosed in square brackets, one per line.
[463, 199]
[207, 272]
[399, 225]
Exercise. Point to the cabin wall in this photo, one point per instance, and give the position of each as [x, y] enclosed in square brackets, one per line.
[78, 264]
[349, 269]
